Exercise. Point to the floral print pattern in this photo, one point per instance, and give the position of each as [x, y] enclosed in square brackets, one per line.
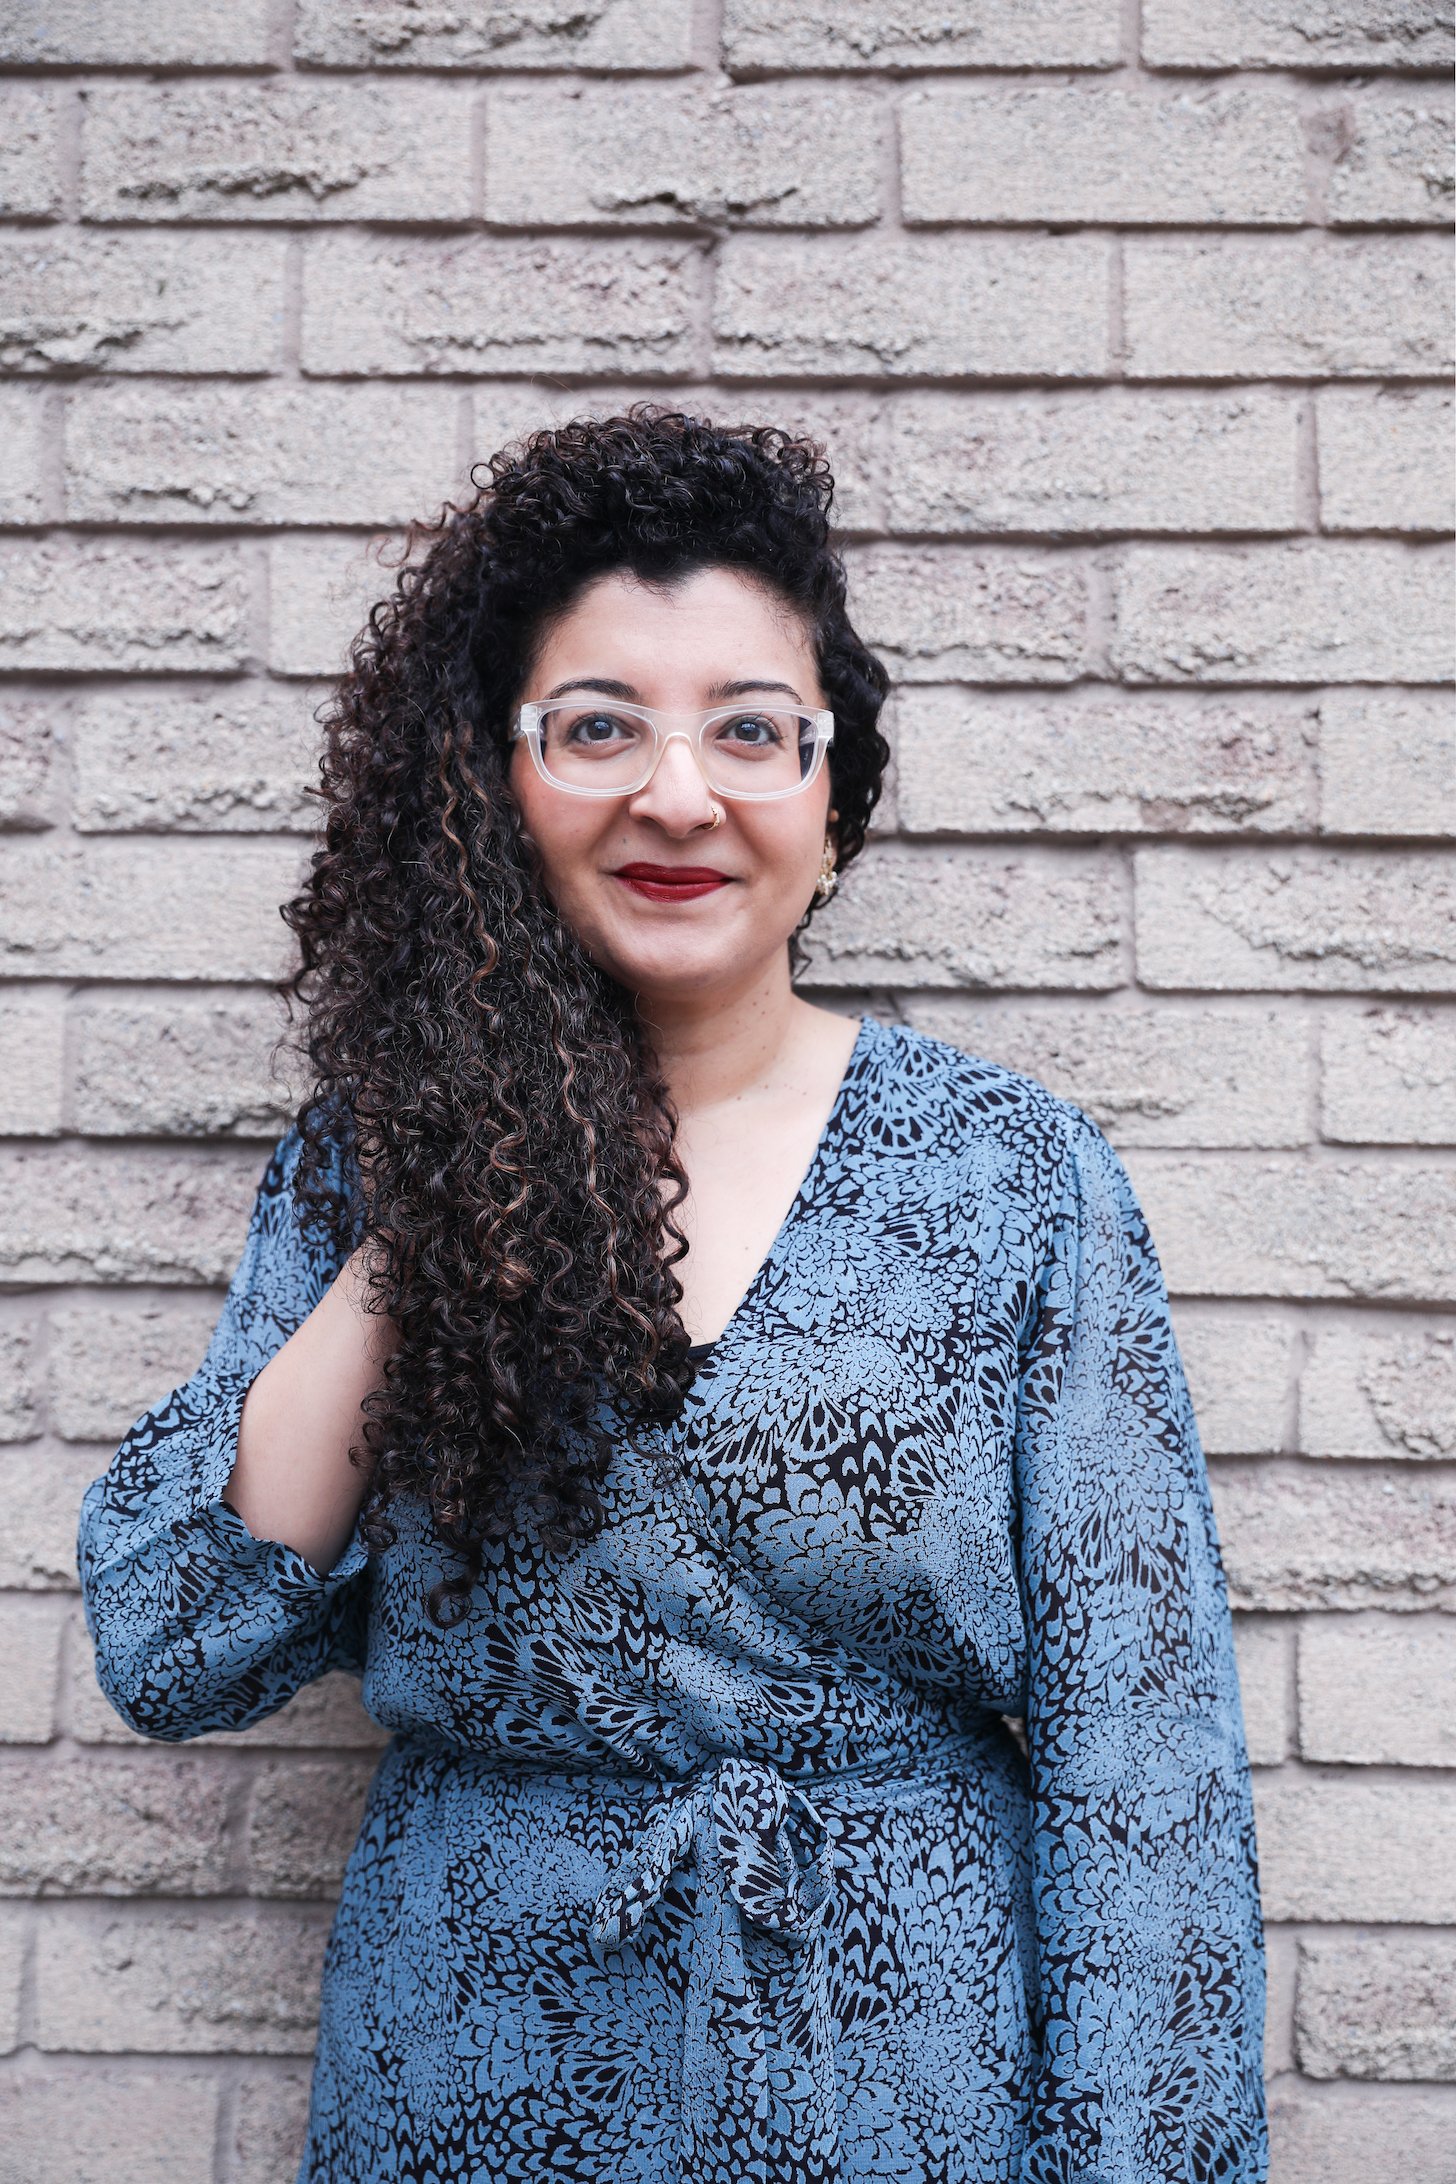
[868, 1801]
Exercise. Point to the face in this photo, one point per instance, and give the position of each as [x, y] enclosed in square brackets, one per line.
[715, 638]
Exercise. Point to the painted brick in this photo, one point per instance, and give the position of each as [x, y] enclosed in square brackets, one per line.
[320, 592]
[29, 742]
[1280, 1225]
[125, 2123]
[232, 761]
[1265, 1659]
[275, 454]
[592, 155]
[866, 34]
[97, 1215]
[285, 150]
[940, 918]
[30, 1645]
[193, 1984]
[1173, 1075]
[269, 2124]
[376, 304]
[1308, 611]
[1000, 614]
[1377, 1690]
[483, 34]
[104, 606]
[1088, 463]
[140, 303]
[302, 1823]
[1334, 1848]
[32, 1063]
[1387, 762]
[1391, 161]
[1276, 921]
[22, 456]
[1286, 306]
[1388, 1077]
[1378, 2006]
[20, 1393]
[1382, 1388]
[1303, 1536]
[108, 1362]
[1319, 2138]
[193, 1068]
[1102, 153]
[1293, 34]
[14, 1937]
[1239, 1367]
[1095, 761]
[136, 33]
[30, 160]
[1281, 1960]
[146, 909]
[112, 1825]
[1387, 459]
[40, 1493]
[893, 306]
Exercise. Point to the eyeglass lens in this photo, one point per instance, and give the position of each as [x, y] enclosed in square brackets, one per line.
[759, 752]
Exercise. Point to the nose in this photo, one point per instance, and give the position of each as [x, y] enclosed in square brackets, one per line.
[676, 793]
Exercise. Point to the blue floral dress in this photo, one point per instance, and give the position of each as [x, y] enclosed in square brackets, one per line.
[707, 1854]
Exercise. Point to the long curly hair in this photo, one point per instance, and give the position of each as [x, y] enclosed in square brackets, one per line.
[492, 1083]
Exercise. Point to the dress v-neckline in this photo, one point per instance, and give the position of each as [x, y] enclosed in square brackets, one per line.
[706, 1353]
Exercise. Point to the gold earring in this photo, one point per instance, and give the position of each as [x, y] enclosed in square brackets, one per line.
[828, 878]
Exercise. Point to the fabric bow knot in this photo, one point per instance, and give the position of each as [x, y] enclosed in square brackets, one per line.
[758, 2070]
[740, 1820]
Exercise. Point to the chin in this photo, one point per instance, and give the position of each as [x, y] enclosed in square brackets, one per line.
[683, 974]
[676, 968]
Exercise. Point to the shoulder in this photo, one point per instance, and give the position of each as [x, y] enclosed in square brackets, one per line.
[1043, 1178]
[302, 1192]
[949, 1097]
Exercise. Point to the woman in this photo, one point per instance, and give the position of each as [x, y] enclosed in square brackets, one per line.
[756, 1407]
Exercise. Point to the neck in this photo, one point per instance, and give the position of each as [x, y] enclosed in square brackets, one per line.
[714, 1048]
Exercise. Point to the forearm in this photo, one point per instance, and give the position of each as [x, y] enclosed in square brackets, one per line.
[292, 1480]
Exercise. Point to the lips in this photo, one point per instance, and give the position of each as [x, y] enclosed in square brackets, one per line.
[671, 883]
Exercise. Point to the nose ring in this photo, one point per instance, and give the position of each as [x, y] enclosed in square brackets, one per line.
[718, 817]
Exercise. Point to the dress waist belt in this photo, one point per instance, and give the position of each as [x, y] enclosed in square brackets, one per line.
[748, 1831]
[758, 2088]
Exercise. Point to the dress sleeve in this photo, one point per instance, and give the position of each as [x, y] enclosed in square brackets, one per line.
[197, 1625]
[1150, 1943]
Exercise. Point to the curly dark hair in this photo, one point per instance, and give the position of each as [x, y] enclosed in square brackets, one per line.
[492, 1083]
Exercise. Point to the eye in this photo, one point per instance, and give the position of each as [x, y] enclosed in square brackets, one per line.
[752, 731]
[595, 728]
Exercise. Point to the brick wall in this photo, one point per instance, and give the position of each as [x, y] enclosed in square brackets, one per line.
[1128, 328]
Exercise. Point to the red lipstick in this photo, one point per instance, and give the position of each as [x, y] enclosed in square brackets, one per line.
[671, 883]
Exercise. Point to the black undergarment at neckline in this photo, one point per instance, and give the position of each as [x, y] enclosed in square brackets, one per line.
[701, 1349]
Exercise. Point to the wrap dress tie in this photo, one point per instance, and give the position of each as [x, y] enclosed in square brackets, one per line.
[764, 1860]
[867, 1800]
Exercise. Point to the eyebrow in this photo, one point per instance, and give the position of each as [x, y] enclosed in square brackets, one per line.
[607, 688]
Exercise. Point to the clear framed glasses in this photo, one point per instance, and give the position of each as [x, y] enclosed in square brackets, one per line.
[600, 747]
